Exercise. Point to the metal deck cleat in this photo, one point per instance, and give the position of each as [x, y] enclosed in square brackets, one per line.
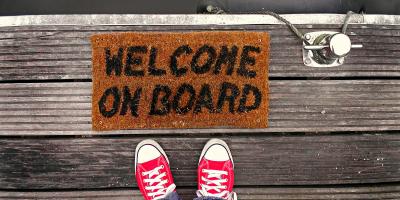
[326, 48]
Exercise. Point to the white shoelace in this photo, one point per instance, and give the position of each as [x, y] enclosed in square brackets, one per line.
[157, 191]
[216, 185]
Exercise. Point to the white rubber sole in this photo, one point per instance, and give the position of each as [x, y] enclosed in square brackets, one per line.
[149, 142]
[215, 141]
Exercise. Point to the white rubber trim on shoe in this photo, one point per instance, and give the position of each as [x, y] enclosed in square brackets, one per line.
[149, 142]
[216, 141]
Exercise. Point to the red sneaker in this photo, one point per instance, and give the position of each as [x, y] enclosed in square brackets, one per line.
[215, 171]
[153, 174]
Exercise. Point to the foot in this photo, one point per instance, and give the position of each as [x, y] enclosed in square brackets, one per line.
[215, 171]
[153, 174]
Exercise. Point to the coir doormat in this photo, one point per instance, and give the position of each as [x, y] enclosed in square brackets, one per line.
[147, 80]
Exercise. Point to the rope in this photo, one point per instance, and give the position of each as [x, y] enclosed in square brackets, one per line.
[216, 10]
[346, 21]
[296, 31]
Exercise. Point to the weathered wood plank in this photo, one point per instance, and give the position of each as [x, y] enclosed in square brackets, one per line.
[295, 105]
[259, 160]
[63, 52]
[259, 193]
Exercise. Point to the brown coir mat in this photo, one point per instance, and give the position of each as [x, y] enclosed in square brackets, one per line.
[144, 80]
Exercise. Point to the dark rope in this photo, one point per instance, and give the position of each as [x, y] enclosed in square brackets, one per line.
[296, 31]
[216, 10]
[346, 21]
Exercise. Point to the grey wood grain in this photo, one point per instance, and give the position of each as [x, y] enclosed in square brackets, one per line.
[64, 52]
[256, 193]
[84, 163]
[295, 106]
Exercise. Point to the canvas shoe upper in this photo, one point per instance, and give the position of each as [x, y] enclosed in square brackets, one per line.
[215, 171]
[153, 174]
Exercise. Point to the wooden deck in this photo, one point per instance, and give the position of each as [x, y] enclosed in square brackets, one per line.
[333, 132]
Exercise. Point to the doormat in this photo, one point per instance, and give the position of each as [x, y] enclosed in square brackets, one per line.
[153, 80]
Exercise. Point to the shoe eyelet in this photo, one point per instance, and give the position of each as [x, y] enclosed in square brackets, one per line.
[202, 170]
[226, 180]
[162, 166]
[143, 174]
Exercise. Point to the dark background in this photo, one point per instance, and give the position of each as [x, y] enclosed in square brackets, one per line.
[29, 7]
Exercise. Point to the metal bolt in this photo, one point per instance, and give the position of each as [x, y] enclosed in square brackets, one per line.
[307, 61]
[307, 36]
[210, 8]
[340, 61]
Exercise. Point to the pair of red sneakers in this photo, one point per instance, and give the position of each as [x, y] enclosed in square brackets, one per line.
[215, 171]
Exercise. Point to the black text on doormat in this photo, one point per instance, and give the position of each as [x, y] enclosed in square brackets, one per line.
[180, 80]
